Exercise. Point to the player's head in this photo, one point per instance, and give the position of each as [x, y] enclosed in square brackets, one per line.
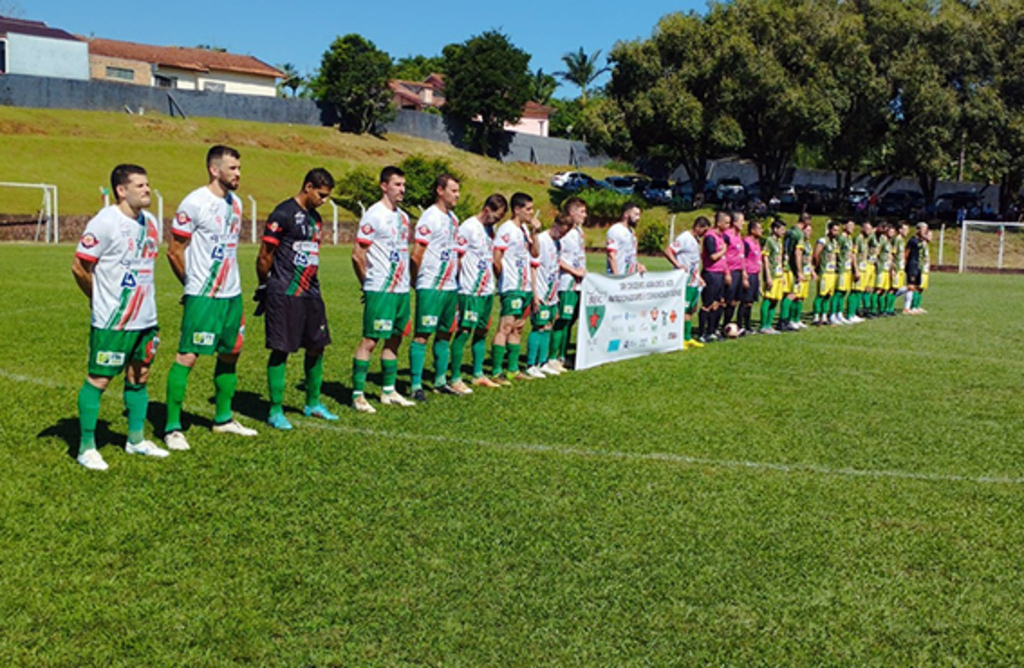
[755, 229]
[630, 213]
[881, 229]
[494, 209]
[778, 228]
[737, 220]
[317, 187]
[723, 219]
[890, 230]
[224, 165]
[904, 228]
[446, 190]
[522, 207]
[575, 210]
[392, 184]
[130, 184]
[833, 228]
[922, 230]
[849, 226]
[805, 223]
[867, 228]
[700, 226]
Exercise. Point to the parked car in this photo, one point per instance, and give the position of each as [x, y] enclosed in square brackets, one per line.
[858, 195]
[900, 203]
[658, 192]
[730, 189]
[561, 179]
[627, 185]
[581, 181]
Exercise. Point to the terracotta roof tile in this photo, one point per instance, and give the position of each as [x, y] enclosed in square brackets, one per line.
[198, 60]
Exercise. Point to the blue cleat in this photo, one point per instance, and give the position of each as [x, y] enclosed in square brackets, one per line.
[319, 411]
[279, 421]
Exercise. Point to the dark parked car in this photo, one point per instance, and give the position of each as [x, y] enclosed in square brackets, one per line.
[900, 203]
[658, 192]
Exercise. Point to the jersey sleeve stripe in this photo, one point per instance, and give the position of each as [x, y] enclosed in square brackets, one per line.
[86, 258]
[273, 241]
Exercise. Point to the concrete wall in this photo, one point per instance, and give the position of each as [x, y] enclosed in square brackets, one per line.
[47, 57]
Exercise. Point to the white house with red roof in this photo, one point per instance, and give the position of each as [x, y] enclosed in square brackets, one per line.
[36, 49]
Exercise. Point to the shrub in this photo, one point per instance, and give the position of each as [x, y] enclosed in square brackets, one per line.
[361, 185]
[652, 237]
[603, 206]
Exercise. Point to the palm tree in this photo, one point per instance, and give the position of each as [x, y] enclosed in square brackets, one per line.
[581, 70]
[542, 86]
[291, 80]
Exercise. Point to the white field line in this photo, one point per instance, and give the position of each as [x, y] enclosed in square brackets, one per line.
[567, 451]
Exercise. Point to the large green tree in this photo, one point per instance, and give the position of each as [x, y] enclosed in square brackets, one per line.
[487, 86]
[353, 78]
[581, 69]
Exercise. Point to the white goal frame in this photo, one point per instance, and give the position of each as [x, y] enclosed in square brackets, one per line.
[50, 210]
[982, 223]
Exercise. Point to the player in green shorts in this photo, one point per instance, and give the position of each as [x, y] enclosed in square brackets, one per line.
[546, 268]
[515, 243]
[381, 262]
[572, 262]
[435, 270]
[113, 266]
[684, 254]
[204, 256]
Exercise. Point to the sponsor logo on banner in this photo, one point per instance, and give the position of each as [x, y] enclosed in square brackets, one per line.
[595, 316]
[613, 345]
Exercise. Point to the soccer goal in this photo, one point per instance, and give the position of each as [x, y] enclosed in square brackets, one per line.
[991, 246]
[48, 216]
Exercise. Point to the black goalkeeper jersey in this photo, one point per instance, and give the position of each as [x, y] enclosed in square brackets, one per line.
[296, 233]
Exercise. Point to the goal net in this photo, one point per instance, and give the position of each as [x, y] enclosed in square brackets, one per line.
[987, 246]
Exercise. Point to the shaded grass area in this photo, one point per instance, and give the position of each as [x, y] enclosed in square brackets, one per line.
[627, 515]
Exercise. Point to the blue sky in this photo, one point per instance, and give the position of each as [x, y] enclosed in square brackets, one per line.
[299, 32]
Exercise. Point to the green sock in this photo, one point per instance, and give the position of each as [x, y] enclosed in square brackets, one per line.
[276, 370]
[417, 359]
[513, 357]
[817, 305]
[498, 359]
[563, 353]
[557, 336]
[784, 310]
[837, 303]
[796, 311]
[88, 415]
[916, 302]
[533, 348]
[545, 347]
[852, 304]
[389, 372]
[765, 311]
[771, 314]
[177, 383]
[479, 353]
[687, 330]
[458, 352]
[442, 354]
[136, 402]
[892, 302]
[359, 370]
[225, 381]
[314, 368]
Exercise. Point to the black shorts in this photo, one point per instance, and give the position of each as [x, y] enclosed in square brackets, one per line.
[732, 293]
[714, 289]
[752, 293]
[295, 322]
[914, 278]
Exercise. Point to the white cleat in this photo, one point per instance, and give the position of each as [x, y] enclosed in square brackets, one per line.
[461, 388]
[233, 427]
[147, 448]
[176, 441]
[550, 369]
[535, 372]
[395, 399]
[92, 460]
[362, 405]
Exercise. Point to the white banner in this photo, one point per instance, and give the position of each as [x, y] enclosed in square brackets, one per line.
[630, 316]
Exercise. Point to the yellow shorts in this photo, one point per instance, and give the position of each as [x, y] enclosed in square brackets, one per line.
[867, 279]
[827, 284]
[901, 280]
[845, 282]
[884, 280]
[805, 288]
[788, 281]
[924, 282]
[777, 291]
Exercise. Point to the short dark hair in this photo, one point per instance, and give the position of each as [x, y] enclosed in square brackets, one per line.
[702, 221]
[388, 172]
[776, 224]
[122, 175]
[805, 217]
[572, 203]
[441, 182]
[318, 177]
[831, 224]
[751, 224]
[496, 202]
[627, 207]
[519, 200]
[218, 152]
[723, 213]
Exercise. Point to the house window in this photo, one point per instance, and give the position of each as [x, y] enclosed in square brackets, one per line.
[122, 73]
[3, 56]
[165, 82]
[213, 87]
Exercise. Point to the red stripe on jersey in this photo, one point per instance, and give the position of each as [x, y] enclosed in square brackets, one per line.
[273, 241]
[86, 258]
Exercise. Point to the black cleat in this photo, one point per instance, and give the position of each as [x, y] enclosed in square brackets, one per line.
[420, 396]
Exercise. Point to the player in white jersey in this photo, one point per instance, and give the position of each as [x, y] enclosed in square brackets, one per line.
[546, 269]
[572, 257]
[435, 269]
[381, 262]
[204, 256]
[684, 253]
[621, 245]
[113, 267]
[514, 244]
[476, 289]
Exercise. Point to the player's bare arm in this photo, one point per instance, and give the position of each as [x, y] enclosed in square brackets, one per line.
[176, 255]
[264, 261]
[82, 272]
[359, 262]
[415, 260]
[613, 264]
[498, 255]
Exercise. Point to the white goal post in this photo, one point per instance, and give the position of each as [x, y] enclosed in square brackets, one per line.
[49, 211]
[998, 227]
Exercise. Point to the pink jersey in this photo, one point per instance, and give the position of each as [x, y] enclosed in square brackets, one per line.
[734, 252]
[718, 266]
[752, 252]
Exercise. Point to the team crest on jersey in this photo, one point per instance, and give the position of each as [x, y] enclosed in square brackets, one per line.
[595, 316]
[88, 240]
[273, 227]
[423, 230]
[183, 218]
[462, 241]
[506, 238]
[366, 229]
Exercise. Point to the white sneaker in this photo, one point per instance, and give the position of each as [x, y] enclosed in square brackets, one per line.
[550, 369]
[144, 447]
[362, 405]
[176, 441]
[557, 365]
[856, 320]
[233, 427]
[92, 460]
[460, 387]
[535, 372]
[395, 399]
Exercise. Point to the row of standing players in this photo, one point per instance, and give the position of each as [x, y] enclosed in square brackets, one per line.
[858, 275]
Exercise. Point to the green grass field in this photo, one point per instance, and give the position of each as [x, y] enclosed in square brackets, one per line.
[838, 497]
